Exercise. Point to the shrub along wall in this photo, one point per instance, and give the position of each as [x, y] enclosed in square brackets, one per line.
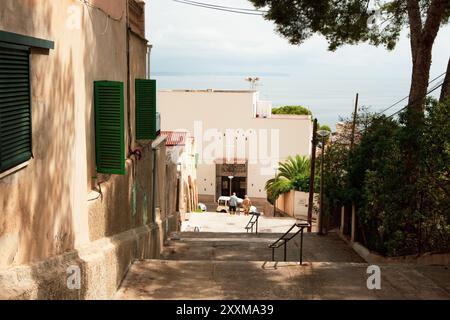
[396, 217]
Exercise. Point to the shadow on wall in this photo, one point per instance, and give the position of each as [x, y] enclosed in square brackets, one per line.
[40, 195]
[104, 59]
[126, 199]
[41, 198]
[38, 206]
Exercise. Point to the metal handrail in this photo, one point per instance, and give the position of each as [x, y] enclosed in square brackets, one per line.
[276, 244]
[251, 223]
[286, 237]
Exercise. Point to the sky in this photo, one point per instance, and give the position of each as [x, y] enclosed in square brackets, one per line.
[193, 40]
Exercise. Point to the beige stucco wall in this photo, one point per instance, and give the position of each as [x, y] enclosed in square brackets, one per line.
[53, 208]
[295, 204]
[44, 205]
[234, 110]
[184, 155]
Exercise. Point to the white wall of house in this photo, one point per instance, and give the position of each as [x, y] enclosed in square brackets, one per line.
[210, 113]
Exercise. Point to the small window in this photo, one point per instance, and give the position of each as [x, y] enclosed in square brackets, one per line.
[15, 106]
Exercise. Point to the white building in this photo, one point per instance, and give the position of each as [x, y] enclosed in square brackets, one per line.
[236, 136]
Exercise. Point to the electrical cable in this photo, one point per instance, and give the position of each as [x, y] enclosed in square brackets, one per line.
[225, 7]
[396, 103]
[370, 122]
[207, 6]
[87, 3]
[428, 92]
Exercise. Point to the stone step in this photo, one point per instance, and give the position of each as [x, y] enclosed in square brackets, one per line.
[247, 247]
[260, 280]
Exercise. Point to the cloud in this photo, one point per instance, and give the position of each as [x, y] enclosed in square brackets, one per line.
[189, 39]
[209, 39]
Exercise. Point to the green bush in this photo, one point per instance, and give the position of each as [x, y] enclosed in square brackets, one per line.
[295, 110]
[293, 174]
[396, 216]
[325, 127]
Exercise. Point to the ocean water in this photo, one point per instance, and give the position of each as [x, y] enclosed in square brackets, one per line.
[329, 98]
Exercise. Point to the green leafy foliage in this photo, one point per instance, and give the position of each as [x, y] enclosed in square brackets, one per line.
[325, 127]
[293, 174]
[296, 110]
[396, 217]
[341, 22]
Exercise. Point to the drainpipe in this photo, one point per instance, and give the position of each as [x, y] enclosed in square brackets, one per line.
[154, 186]
[128, 77]
[149, 50]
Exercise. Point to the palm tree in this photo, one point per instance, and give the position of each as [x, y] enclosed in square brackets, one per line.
[293, 174]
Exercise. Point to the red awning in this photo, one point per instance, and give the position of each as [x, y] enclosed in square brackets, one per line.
[174, 138]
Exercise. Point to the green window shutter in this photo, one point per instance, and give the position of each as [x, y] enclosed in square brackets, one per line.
[109, 127]
[15, 106]
[145, 92]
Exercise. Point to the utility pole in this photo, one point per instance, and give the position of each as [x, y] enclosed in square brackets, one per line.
[352, 139]
[320, 225]
[323, 134]
[312, 174]
[275, 202]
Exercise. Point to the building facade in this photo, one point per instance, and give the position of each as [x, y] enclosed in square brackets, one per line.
[181, 152]
[239, 142]
[83, 183]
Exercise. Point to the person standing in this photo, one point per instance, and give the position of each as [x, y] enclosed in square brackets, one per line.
[233, 203]
[247, 204]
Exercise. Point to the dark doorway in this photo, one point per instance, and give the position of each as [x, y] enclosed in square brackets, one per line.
[238, 185]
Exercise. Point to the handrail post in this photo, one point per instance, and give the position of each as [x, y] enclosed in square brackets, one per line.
[273, 254]
[257, 217]
[301, 246]
[285, 242]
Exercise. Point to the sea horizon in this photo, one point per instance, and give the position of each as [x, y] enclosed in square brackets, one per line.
[329, 99]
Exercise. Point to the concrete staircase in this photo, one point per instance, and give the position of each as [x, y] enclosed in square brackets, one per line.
[219, 265]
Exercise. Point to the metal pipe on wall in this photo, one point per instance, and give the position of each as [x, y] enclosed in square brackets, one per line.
[154, 176]
[149, 50]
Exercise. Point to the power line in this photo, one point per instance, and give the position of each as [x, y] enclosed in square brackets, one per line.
[225, 7]
[222, 8]
[396, 103]
[370, 122]
[430, 91]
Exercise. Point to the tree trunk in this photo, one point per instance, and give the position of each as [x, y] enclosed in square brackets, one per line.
[445, 91]
[422, 40]
[422, 36]
[419, 84]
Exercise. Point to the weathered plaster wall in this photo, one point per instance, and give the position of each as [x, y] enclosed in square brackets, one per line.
[52, 208]
[43, 206]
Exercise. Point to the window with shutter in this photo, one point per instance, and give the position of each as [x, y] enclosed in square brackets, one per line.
[15, 106]
[145, 96]
[109, 127]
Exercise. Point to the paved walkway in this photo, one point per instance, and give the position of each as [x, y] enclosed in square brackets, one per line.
[221, 262]
[224, 222]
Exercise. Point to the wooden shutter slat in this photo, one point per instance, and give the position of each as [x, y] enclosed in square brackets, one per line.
[145, 115]
[109, 127]
[15, 107]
